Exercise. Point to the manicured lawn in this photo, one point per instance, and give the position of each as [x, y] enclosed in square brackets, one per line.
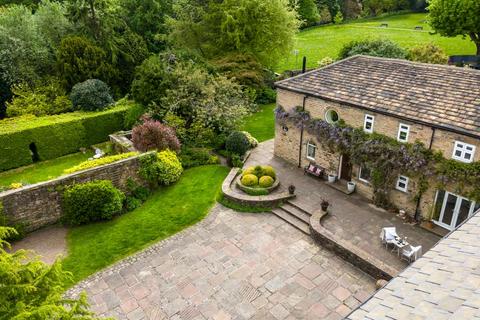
[43, 171]
[319, 42]
[167, 211]
[261, 124]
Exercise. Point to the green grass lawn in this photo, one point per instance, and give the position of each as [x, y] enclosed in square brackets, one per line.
[167, 211]
[261, 124]
[319, 42]
[43, 171]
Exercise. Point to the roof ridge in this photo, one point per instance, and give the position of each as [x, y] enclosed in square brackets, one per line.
[409, 62]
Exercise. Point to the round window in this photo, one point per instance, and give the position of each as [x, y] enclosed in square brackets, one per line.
[331, 116]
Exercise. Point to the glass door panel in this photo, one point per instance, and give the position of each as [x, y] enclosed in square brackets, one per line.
[463, 211]
[449, 209]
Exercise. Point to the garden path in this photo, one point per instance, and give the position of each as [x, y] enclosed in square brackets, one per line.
[48, 243]
[230, 266]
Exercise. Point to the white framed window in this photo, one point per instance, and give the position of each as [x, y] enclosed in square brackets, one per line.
[463, 152]
[368, 123]
[311, 150]
[364, 174]
[403, 131]
[402, 184]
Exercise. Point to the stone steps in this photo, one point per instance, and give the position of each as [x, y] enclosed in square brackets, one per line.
[297, 212]
[295, 215]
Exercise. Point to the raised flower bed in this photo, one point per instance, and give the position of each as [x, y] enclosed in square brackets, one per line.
[258, 180]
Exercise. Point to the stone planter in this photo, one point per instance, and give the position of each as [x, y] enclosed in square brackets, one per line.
[251, 190]
[351, 186]
[332, 178]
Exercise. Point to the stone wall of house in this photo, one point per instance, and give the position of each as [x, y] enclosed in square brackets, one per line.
[39, 204]
[287, 145]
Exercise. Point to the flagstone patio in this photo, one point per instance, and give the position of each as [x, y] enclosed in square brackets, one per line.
[351, 217]
[230, 266]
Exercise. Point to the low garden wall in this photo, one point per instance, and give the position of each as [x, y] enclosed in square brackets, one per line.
[39, 204]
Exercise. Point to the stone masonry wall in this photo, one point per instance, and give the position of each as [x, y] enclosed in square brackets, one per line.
[39, 204]
[287, 144]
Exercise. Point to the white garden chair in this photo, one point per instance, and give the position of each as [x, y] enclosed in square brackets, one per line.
[412, 253]
[388, 235]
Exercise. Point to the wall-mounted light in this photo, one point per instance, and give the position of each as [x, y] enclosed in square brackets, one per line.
[285, 129]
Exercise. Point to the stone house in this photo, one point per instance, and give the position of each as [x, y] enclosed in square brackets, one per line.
[436, 105]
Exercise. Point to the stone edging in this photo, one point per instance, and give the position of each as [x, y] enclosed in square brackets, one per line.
[75, 291]
[353, 254]
[270, 200]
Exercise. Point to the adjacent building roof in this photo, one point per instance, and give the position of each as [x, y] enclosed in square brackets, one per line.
[443, 284]
[441, 96]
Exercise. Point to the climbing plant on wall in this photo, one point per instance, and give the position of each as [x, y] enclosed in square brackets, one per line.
[387, 158]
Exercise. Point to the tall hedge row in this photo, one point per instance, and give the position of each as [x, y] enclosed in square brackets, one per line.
[55, 136]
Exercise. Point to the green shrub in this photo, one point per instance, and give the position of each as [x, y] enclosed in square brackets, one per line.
[133, 114]
[253, 142]
[132, 203]
[55, 136]
[161, 168]
[192, 157]
[91, 95]
[266, 181]
[99, 162]
[377, 48]
[236, 161]
[428, 53]
[237, 143]
[269, 171]
[91, 201]
[249, 180]
[42, 100]
[256, 191]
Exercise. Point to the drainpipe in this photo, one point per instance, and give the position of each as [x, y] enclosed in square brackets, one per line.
[304, 68]
[417, 212]
[301, 136]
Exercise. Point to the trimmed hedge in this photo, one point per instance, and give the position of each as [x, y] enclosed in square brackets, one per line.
[56, 135]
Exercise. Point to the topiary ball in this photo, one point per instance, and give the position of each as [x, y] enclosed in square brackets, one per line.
[249, 180]
[249, 170]
[269, 171]
[266, 182]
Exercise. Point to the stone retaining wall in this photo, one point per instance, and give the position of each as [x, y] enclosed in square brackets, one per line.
[349, 252]
[39, 204]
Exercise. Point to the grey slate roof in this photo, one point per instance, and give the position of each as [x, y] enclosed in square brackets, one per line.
[443, 284]
[441, 96]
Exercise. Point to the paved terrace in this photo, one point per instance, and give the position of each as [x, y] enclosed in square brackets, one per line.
[443, 284]
[351, 217]
[230, 266]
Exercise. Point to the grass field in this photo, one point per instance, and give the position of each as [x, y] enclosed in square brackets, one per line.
[319, 42]
[43, 171]
[167, 211]
[261, 124]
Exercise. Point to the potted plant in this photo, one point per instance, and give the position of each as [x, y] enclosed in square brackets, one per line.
[291, 189]
[332, 178]
[324, 204]
[351, 186]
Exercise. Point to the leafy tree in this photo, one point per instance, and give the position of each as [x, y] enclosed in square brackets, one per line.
[152, 79]
[456, 17]
[351, 9]
[308, 12]
[203, 99]
[264, 29]
[376, 7]
[90, 16]
[26, 46]
[153, 135]
[147, 18]
[79, 60]
[377, 48]
[428, 53]
[32, 289]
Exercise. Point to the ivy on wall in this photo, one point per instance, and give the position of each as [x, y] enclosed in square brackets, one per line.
[387, 158]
